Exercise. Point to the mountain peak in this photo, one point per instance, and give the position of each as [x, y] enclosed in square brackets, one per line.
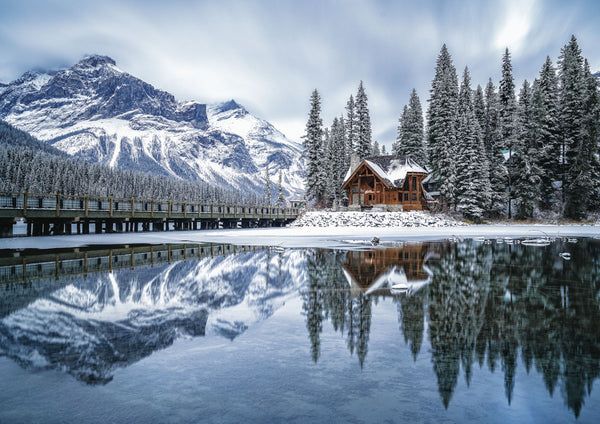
[230, 105]
[93, 61]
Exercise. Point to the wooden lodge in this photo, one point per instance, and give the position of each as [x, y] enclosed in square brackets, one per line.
[389, 182]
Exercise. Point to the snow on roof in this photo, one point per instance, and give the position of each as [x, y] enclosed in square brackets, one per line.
[391, 169]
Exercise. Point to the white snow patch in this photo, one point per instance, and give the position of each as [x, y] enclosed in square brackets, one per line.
[374, 219]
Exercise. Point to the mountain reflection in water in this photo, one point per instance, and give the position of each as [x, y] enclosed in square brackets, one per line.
[461, 305]
[485, 304]
[91, 326]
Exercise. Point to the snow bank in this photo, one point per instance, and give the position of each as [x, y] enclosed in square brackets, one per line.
[374, 219]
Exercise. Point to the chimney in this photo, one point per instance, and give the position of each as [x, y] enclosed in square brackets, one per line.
[354, 162]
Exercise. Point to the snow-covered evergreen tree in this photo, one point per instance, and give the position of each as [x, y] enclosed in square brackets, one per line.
[397, 147]
[363, 133]
[472, 172]
[441, 117]
[375, 151]
[545, 114]
[571, 116]
[507, 124]
[280, 193]
[267, 185]
[383, 150]
[591, 131]
[583, 165]
[337, 160]
[527, 179]
[479, 107]
[493, 145]
[351, 126]
[410, 140]
[314, 152]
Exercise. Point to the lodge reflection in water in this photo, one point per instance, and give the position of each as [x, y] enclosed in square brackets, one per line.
[390, 271]
[492, 305]
[485, 304]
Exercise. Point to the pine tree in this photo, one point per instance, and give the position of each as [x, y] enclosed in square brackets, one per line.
[545, 115]
[351, 127]
[337, 160]
[267, 185]
[441, 117]
[280, 193]
[527, 180]
[571, 115]
[493, 146]
[375, 149]
[582, 162]
[397, 146]
[591, 132]
[411, 131]
[472, 179]
[313, 150]
[479, 107]
[506, 113]
[363, 133]
[383, 150]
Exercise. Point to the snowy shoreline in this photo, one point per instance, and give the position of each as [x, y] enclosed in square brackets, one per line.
[299, 237]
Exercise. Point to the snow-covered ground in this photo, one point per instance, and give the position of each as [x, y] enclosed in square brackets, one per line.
[327, 237]
[374, 219]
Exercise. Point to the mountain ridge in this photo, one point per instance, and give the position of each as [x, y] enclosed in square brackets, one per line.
[98, 112]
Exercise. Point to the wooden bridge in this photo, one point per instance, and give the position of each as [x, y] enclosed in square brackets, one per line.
[57, 214]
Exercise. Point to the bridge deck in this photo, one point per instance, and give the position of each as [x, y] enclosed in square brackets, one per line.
[56, 212]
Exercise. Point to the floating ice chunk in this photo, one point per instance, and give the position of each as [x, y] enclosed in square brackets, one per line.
[565, 255]
[536, 242]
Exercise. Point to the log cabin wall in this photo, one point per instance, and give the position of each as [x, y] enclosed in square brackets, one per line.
[366, 189]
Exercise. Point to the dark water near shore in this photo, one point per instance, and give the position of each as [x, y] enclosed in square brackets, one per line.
[452, 331]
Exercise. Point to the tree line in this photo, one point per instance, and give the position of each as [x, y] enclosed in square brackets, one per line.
[490, 152]
[29, 164]
[328, 150]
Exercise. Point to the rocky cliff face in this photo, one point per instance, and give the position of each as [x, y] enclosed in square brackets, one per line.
[98, 112]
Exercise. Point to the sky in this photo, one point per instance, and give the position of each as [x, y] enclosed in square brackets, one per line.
[270, 55]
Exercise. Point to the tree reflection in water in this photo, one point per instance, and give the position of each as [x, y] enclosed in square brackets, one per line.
[485, 303]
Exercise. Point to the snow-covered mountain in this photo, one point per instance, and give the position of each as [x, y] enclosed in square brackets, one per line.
[98, 112]
[91, 327]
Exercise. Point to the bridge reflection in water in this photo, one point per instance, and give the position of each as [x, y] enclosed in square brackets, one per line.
[33, 264]
[467, 308]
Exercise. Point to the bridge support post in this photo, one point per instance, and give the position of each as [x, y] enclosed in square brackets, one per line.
[6, 227]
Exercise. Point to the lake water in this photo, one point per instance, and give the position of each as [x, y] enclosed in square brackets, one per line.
[451, 331]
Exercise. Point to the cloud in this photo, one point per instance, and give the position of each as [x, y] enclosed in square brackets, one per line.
[270, 55]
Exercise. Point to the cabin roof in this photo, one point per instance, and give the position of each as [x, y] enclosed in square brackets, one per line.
[391, 169]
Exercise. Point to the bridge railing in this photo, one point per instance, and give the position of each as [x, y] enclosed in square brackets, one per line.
[112, 206]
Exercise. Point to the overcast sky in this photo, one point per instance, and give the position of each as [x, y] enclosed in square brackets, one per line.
[270, 55]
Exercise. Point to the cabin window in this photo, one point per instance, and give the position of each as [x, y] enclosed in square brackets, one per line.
[355, 188]
[414, 183]
[406, 197]
[414, 196]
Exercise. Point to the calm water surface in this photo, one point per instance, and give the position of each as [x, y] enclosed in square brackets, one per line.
[454, 331]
